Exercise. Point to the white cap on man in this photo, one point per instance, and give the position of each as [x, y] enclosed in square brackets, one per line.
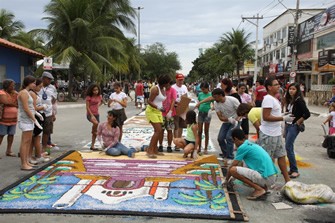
[48, 75]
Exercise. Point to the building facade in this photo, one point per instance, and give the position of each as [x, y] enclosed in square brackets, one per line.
[16, 61]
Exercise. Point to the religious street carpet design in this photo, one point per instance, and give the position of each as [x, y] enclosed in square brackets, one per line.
[94, 183]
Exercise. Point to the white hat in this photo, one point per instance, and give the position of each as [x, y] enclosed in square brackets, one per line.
[48, 75]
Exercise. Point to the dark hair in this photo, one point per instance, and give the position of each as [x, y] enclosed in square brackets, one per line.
[241, 85]
[269, 82]
[114, 114]
[6, 83]
[38, 81]
[204, 85]
[260, 81]
[238, 133]
[164, 79]
[218, 91]
[243, 109]
[117, 84]
[229, 84]
[288, 98]
[89, 91]
[28, 80]
[191, 117]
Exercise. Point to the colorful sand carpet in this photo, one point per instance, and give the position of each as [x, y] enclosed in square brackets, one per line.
[94, 183]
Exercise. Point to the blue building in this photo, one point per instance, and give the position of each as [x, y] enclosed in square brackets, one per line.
[16, 61]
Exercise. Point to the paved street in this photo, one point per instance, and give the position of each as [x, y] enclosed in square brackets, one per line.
[72, 131]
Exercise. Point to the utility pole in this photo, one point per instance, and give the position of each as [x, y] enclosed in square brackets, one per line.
[139, 26]
[294, 46]
[256, 44]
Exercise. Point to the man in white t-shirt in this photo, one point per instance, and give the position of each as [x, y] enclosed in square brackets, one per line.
[225, 107]
[179, 122]
[270, 130]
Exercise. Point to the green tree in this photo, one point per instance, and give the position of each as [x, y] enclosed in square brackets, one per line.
[158, 61]
[88, 35]
[236, 49]
[8, 26]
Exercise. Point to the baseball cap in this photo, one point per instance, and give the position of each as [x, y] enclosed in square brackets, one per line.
[48, 75]
[180, 77]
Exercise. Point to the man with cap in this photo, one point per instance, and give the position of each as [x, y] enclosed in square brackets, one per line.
[48, 95]
[179, 122]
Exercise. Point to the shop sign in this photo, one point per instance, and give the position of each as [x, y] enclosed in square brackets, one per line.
[304, 65]
[291, 39]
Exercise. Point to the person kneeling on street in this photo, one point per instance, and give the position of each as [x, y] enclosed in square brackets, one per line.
[108, 135]
[260, 172]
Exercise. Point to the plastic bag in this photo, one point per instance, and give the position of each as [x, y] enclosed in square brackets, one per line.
[308, 193]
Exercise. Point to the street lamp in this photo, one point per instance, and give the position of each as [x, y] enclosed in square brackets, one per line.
[139, 26]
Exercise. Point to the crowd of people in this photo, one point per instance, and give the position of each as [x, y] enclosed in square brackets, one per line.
[266, 106]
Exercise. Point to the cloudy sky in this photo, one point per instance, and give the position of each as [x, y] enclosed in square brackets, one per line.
[183, 26]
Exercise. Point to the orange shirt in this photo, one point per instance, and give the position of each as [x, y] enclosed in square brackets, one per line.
[9, 116]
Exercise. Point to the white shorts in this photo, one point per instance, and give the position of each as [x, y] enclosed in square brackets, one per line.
[140, 99]
[25, 127]
[256, 177]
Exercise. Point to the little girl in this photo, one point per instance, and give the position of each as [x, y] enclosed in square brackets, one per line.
[331, 119]
[93, 101]
[108, 135]
[204, 116]
[191, 142]
[118, 102]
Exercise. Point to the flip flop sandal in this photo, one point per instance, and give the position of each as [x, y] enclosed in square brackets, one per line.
[261, 197]
[94, 149]
[11, 154]
[294, 175]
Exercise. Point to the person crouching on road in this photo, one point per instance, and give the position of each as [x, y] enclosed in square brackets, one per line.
[190, 144]
[108, 136]
[260, 172]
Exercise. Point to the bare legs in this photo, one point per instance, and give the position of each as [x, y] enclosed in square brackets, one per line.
[26, 139]
[153, 149]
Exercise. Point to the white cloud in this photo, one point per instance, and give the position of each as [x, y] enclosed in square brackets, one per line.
[183, 26]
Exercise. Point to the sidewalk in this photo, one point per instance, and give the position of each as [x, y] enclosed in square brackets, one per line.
[317, 109]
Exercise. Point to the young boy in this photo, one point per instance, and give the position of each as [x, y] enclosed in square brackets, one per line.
[260, 172]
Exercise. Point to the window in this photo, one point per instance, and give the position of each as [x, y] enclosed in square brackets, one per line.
[282, 52]
[283, 33]
[277, 54]
[305, 47]
[278, 35]
[2, 73]
[326, 41]
[271, 56]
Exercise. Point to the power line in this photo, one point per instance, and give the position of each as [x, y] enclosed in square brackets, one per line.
[266, 6]
[279, 1]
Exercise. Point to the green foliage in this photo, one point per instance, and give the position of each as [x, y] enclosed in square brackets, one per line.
[9, 27]
[158, 61]
[331, 81]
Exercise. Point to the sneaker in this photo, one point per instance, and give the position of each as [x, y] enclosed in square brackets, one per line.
[160, 149]
[176, 149]
[34, 162]
[169, 149]
[42, 159]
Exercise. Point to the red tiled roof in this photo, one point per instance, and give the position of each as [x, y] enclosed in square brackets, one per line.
[11, 45]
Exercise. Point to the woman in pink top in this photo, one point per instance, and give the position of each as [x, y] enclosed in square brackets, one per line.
[168, 114]
[93, 101]
[108, 135]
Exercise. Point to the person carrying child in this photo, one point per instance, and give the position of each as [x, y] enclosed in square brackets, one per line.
[191, 142]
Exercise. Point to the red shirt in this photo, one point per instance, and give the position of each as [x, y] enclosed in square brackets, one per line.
[260, 92]
[94, 103]
[139, 89]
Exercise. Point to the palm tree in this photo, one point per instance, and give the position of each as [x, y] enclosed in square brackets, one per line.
[30, 41]
[236, 48]
[8, 27]
[87, 33]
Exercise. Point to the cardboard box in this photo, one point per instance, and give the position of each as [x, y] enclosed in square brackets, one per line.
[183, 105]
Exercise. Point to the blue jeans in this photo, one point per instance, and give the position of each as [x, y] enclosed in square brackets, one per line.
[291, 133]
[120, 149]
[226, 141]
